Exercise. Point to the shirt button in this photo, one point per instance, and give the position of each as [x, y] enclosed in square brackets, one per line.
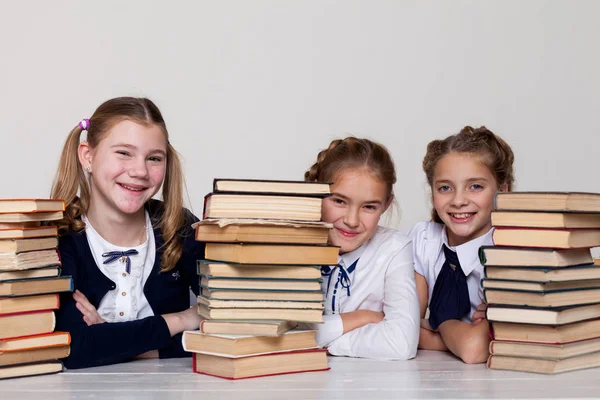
[123, 274]
[121, 313]
[123, 294]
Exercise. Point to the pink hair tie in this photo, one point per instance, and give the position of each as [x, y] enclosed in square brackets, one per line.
[84, 124]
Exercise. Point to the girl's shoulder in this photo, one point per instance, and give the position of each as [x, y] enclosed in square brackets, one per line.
[427, 231]
[388, 237]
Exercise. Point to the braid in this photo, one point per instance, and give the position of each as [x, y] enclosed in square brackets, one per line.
[314, 172]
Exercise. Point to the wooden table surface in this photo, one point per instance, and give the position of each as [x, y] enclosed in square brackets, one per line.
[429, 375]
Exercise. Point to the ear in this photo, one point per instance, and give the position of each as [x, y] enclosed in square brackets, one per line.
[503, 187]
[84, 151]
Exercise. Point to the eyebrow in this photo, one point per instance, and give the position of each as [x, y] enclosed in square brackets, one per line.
[476, 179]
[347, 198]
[130, 146]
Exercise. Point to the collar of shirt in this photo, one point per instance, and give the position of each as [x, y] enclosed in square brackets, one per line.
[347, 259]
[468, 253]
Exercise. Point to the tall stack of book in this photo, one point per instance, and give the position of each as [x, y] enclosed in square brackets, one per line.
[29, 282]
[541, 283]
[265, 243]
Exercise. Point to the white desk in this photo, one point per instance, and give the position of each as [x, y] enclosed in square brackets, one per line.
[430, 375]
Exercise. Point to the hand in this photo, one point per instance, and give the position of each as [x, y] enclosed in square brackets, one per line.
[187, 320]
[479, 315]
[89, 312]
[375, 316]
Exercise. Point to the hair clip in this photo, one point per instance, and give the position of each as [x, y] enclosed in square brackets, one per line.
[84, 124]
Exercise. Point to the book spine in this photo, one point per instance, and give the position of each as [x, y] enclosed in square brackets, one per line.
[194, 363]
[481, 254]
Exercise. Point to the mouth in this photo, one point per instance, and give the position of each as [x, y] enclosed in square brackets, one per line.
[347, 234]
[461, 217]
[132, 188]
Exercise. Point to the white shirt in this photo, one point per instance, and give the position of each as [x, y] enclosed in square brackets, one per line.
[382, 281]
[428, 238]
[127, 301]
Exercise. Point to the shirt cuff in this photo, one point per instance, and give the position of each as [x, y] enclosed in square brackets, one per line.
[331, 329]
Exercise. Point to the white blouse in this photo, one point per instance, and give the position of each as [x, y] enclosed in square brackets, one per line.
[383, 281]
[127, 301]
[428, 238]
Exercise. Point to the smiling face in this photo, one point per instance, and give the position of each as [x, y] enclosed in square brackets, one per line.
[358, 199]
[127, 167]
[463, 190]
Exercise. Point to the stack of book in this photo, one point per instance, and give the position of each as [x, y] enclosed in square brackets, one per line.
[29, 282]
[541, 283]
[265, 244]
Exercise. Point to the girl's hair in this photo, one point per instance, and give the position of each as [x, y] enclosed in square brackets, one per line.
[353, 153]
[495, 153]
[70, 178]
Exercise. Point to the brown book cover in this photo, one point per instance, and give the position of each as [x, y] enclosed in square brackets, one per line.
[547, 334]
[552, 238]
[544, 351]
[530, 257]
[224, 270]
[30, 217]
[263, 186]
[30, 205]
[234, 346]
[583, 272]
[247, 327]
[27, 233]
[54, 339]
[22, 370]
[261, 231]
[548, 201]
[241, 253]
[544, 366]
[33, 355]
[542, 316]
[263, 365]
[287, 314]
[22, 245]
[267, 295]
[29, 260]
[14, 305]
[26, 324]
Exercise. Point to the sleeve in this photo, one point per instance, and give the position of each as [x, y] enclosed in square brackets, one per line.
[107, 343]
[331, 329]
[397, 336]
[418, 235]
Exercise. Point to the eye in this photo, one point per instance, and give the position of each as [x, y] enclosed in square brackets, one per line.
[444, 188]
[123, 153]
[339, 201]
[476, 187]
[155, 158]
[371, 207]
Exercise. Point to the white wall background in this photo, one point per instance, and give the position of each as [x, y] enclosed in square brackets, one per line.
[255, 89]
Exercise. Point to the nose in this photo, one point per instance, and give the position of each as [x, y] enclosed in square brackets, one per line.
[138, 168]
[460, 198]
[351, 218]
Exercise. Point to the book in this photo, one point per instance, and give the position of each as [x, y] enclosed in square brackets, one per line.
[272, 295]
[54, 339]
[26, 324]
[27, 287]
[261, 231]
[12, 305]
[545, 287]
[547, 351]
[240, 253]
[34, 355]
[547, 201]
[545, 220]
[260, 284]
[248, 327]
[262, 206]
[39, 216]
[31, 205]
[559, 334]
[590, 271]
[541, 316]
[223, 270]
[213, 303]
[524, 257]
[29, 260]
[20, 225]
[16, 371]
[549, 366]
[554, 238]
[21, 245]
[263, 365]
[234, 346]
[542, 299]
[25, 233]
[313, 316]
[30, 273]
[271, 187]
